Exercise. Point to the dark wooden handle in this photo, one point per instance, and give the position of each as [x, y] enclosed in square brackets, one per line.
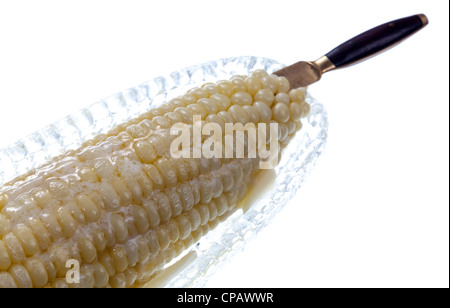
[375, 40]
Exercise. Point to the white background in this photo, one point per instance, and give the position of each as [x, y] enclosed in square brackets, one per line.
[373, 213]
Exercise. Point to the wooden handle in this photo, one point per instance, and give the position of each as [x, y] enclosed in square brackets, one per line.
[375, 40]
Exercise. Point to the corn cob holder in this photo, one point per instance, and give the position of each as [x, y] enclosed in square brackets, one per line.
[100, 189]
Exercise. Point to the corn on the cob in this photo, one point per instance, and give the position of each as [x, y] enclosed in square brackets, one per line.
[121, 205]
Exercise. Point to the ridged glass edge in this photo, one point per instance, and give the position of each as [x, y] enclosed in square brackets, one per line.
[71, 131]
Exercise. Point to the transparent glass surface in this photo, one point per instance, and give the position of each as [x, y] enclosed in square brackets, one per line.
[231, 235]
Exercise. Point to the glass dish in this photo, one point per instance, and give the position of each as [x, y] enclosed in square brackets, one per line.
[231, 235]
